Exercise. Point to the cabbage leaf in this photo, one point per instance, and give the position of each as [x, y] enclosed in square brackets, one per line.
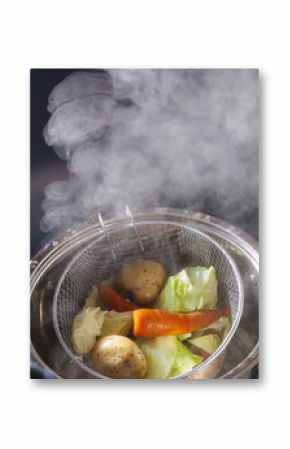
[193, 288]
[86, 328]
[167, 357]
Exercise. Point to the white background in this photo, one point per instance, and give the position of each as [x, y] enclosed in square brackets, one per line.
[221, 414]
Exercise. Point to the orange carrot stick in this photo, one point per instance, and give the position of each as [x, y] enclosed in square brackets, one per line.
[114, 300]
[148, 323]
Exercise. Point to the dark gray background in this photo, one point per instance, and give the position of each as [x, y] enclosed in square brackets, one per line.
[45, 165]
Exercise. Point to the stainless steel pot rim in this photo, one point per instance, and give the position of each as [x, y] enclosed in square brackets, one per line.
[101, 236]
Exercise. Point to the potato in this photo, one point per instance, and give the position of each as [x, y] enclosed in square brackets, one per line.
[143, 279]
[118, 357]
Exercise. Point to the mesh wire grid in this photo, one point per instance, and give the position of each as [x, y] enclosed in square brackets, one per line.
[174, 245]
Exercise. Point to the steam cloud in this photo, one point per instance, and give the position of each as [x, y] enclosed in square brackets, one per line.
[185, 138]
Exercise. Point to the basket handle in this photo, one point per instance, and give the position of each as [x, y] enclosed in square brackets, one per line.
[131, 217]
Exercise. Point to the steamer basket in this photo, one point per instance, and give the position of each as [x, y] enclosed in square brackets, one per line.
[172, 244]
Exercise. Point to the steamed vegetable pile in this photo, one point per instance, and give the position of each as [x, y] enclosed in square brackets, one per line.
[143, 324]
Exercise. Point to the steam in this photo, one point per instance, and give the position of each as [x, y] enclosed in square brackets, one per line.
[185, 138]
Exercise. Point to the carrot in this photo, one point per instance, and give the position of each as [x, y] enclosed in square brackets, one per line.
[148, 323]
[114, 300]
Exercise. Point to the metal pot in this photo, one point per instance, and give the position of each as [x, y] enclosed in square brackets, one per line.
[48, 264]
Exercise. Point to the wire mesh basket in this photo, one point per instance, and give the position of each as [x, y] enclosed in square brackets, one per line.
[172, 244]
